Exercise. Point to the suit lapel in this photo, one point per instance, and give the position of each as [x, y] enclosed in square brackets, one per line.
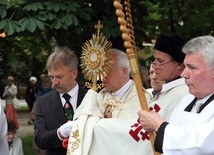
[56, 106]
[81, 94]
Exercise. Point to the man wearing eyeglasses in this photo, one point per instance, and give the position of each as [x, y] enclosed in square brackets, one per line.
[156, 84]
[168, 65]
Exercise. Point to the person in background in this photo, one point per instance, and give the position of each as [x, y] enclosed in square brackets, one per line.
[30, 95]
[46, 86]
[53, 122]
[190, 130]
[14, 142]
[168, 65]
[10, 93]
[31, 92]
[144, 73]
[4, 150]
[156, 84]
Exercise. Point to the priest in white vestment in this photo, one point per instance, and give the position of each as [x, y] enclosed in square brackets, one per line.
[117, 102]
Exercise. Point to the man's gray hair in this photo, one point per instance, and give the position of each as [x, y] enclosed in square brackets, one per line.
[121, 59]
[62, 55]
[203, 45]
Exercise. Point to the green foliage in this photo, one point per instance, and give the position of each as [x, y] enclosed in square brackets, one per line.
[3, 12]
[27, 143]
[33, 7]
[189, 18]
[38, 15]
[149, 17]
[24, 56]
[34, 27]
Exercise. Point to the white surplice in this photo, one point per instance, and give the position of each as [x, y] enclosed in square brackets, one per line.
[190, 133]
[171, 94]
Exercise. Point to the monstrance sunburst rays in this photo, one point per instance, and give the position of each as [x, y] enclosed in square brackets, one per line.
[95, 60]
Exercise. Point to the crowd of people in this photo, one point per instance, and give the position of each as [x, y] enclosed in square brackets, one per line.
[72, 120]
[9, 114]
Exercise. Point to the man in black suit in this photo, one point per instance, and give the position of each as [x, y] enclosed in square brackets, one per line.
[51, 125]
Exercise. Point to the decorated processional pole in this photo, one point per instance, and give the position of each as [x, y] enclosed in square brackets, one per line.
[128, 36]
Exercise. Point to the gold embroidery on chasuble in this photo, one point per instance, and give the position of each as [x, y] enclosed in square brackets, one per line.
[111, 105]
[76, 143]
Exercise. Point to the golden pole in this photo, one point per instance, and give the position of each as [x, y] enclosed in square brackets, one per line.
[128, 36]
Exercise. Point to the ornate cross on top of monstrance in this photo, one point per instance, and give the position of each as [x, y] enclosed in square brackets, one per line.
[95, 60]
